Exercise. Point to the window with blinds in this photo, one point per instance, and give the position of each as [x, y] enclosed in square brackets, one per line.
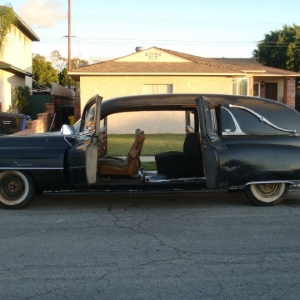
[157, 89]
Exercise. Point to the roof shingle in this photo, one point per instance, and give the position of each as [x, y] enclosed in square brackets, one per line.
[194, 64]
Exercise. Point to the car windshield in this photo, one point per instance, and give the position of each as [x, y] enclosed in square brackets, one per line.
[89, 123]
[77, 126]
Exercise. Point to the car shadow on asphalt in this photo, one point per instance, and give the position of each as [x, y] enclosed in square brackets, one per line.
[110, 200]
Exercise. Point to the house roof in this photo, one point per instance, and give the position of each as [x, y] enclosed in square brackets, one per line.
[23, 27]
[169, 62]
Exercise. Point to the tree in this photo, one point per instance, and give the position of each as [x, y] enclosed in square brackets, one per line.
[280, 49]
[46, 73]
[20, 99]
[58, 61]
[63, 77]
[43, 71]
[78, 63]
[75, 63]
[7, 19]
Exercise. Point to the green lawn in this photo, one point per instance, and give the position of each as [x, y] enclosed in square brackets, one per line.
[148, 165]
[119, 144]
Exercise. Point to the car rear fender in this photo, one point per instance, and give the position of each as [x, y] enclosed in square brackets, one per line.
[267, 177]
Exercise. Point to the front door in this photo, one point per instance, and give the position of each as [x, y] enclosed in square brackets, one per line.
[211, 143]
[271, 91]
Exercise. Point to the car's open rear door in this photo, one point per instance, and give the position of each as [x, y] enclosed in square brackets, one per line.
[92, 150]
[211, 143]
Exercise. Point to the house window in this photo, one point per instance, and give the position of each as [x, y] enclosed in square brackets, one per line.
[256, 89]
[157, 89]
[240, 86]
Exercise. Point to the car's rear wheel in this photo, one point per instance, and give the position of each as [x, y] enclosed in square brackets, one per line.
[16, 189]
[266, 194]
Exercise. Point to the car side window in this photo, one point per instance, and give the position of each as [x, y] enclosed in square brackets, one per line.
[190, 121]
[238, 120]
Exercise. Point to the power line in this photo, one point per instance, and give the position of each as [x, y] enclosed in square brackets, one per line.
[149, 21]
[151, 41]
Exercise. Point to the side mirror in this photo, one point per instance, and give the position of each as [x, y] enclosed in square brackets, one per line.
[67, 130]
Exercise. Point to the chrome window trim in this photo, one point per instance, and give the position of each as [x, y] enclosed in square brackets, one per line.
[263, 119]
[238, 130]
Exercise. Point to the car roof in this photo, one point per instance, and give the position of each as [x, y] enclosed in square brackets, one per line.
[274, 111]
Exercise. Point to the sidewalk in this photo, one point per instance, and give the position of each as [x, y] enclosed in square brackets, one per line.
[147, 158]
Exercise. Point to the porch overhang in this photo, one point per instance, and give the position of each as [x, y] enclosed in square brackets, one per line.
[76, 75]
[14, 70]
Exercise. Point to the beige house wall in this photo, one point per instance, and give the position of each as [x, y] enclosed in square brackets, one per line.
[7, 82]
[114, 86]
[177, 73]
[17, 51]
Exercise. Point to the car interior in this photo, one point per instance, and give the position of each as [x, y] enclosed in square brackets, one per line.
[170, 165]
[175, 164]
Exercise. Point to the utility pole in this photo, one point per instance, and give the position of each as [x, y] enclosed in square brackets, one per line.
[69, 42]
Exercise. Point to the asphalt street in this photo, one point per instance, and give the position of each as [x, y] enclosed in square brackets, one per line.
[150, 246]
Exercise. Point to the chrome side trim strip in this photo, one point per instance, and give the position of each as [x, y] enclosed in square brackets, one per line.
[29, 168]
[292, 182]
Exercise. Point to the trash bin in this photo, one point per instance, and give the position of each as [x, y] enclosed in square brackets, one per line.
[71, 120]
[24, 122]
[66, 111]
[11, 123]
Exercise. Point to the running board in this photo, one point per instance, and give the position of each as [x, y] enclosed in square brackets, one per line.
[152, 176]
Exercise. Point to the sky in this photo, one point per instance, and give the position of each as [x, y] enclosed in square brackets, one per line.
[107, 29]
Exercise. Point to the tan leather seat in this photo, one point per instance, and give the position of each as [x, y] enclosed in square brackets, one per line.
[129, 166]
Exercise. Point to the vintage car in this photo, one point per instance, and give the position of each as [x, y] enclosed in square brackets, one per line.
[231, 143]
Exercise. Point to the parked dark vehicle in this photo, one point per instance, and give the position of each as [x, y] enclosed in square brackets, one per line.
[232, 142]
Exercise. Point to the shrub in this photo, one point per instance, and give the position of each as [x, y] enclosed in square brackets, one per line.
[20, 99]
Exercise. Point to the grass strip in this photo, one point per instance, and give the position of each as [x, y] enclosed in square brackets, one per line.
[119, 144]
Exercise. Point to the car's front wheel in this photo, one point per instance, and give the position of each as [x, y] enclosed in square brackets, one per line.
[16, 189]
[266, 194]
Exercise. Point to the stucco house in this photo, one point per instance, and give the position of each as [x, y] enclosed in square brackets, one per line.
[16, 61]
[156, 70]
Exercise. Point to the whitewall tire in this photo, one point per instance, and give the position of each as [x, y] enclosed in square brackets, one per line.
[266, 194]
[16, 189]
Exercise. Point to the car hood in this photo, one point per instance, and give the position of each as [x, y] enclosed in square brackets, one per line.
[36, 140]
